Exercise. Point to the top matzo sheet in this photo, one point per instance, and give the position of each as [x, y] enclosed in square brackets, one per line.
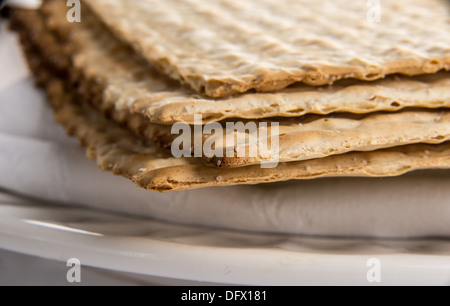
[225, 47]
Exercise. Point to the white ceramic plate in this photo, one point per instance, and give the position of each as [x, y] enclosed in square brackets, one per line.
[158, 249]
[153, 248]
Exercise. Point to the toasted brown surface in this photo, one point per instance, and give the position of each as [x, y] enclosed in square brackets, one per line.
[300, 138]
[318, 137]
[117, 150]
[121, 80]
[224, 47]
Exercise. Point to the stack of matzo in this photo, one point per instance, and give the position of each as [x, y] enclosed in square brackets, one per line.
[352, 97]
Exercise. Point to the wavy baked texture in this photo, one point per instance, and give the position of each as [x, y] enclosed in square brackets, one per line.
[302, 138]
[116, 149]
[122, 80]
[224, 47]
[318, 137]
